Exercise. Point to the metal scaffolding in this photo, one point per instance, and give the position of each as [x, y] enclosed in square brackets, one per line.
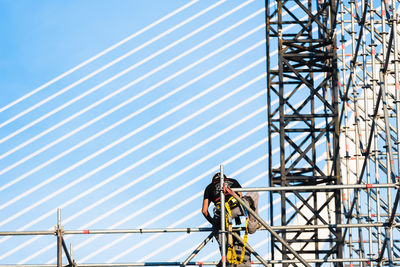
[353, 103]
[368, 58]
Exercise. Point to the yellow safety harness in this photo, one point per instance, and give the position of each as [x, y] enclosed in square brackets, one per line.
[231, 254]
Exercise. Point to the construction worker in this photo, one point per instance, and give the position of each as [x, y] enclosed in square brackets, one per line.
[212, 194]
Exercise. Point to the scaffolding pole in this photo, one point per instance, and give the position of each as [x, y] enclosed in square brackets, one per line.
[222, 210]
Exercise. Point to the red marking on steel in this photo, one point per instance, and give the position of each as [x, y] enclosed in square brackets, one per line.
[369, 186]
[200, 263]
[372, 215]
[223, 258]
[372, 51]
[85, 231]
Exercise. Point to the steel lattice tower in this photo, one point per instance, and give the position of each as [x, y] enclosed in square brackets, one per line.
[304, 86]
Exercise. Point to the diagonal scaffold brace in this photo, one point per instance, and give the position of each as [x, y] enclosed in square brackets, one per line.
[200, 247]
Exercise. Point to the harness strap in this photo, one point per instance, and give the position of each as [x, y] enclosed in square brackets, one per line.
[231, 254]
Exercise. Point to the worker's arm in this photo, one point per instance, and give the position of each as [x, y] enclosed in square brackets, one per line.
[204, 210]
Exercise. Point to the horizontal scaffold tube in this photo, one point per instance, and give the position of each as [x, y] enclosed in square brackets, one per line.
[314, 187]
[188, 230]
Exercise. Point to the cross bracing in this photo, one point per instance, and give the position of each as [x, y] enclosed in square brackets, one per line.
[138, 125]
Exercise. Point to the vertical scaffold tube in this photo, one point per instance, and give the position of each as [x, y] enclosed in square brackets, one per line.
[59, 239]
[223, 236]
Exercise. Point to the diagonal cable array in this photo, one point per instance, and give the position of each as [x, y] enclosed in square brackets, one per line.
[102, 53]
[203, 80]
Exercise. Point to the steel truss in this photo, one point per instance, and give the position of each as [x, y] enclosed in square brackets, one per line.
[307, 115]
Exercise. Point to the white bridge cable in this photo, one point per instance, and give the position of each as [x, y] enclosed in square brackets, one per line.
[102, 53]
[123, 188]
[93, 74]
[20, 146]
[109, 128]
[235, 91]
[125, 119]
[96, 187]
[16, 198]
[120, 73]
[262, 142]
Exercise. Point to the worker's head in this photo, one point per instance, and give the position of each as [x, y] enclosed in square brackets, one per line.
[218, 176]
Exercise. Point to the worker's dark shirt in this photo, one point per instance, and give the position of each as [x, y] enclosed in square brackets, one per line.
[212, 191]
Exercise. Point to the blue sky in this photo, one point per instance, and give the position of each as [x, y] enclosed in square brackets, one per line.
[119, 112]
